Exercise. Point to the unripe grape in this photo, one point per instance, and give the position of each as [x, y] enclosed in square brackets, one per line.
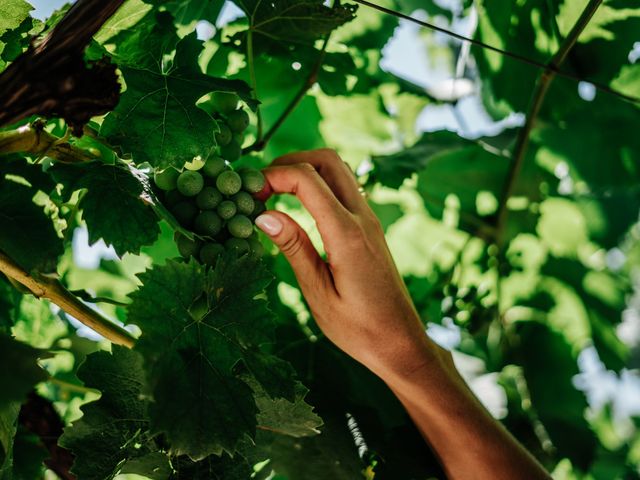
[238, 121]
[231, 151]
[185, 212]
[208, 223]
[214, 167]
[186, 246]
[172, 198]
[210, 252]
[167, 179]
[208, 198]
[238, 138]
[224, 102]
[253, 180]
[255, 245]
[226, 209]
[244, 202]
[190, 183]
[229, 182]
[240, 226]
[224, 136]
[239, 245]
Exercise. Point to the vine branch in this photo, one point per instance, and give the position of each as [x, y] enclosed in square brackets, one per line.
[506, 53]
[542, 86]
[51, 77]
[50, 288]
[311, 79]
[34, 139]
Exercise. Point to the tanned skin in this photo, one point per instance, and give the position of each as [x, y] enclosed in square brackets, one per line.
[360, 302]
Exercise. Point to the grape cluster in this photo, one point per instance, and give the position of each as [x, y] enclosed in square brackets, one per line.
[215, 201]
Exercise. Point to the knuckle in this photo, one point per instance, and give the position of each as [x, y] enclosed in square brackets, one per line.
[292, 244]
[306, 168]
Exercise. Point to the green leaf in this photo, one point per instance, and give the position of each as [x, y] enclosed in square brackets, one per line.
[185, 12]
[200, 403]
[107, 434]
[8, 426]
[19, 370]
[125, 18]
[27, 234]
[157, 120]
[12, 13]
[154, 465]
[275, 24]
[392, 170]
[279, 415]
[212, 467]
[114, 205]
[549, 367]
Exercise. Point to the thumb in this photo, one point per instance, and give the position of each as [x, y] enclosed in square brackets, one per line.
[311, 271]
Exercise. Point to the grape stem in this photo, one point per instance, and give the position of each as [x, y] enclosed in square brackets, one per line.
[537, 99]
[34, 139]
[252, 75]
[311, 79]
[43, 286]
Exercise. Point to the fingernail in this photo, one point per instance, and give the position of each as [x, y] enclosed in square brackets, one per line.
[269, 224]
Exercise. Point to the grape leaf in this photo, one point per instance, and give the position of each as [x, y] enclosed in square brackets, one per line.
[117, 421]
[27, 234]
[8, 423]
[201, 405]
[19, 370]
[291, 21]
[212, 468]
[157, 120]
[12, 14]
[187, 11]
[392, 170]
[549, 367]
[113, 205]
[279, 415]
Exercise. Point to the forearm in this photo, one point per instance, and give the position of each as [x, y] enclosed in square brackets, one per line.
[469, 442]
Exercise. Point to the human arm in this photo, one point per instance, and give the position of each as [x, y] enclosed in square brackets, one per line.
[360, 302]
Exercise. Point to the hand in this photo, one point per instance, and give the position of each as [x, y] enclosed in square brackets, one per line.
[358, 299]
[357, 296]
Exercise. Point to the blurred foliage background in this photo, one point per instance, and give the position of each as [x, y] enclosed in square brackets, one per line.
[537, 293]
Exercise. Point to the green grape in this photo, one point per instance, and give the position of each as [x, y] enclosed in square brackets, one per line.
[210, 253]
[239, 245]
[255, 245]
[167, 179]
[238, 121]
[184, 212]
[224, 102]
[259, 208]
[238, 138]
[231, 151]
[229, 182]
[208, 223]
[244, 202]
[214, 167]
[240, 226]
[190, 183]
[224, 136]
[253, 180]
[208, 198]
[173, 197]
[186, 246]
[226, 209]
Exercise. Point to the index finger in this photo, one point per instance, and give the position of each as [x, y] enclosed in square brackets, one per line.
[303, 181]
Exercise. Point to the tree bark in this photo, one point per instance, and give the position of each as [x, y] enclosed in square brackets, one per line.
[52, 79]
